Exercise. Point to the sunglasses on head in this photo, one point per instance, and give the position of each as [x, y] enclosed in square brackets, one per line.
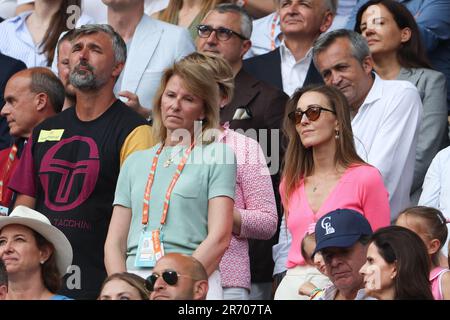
[312, 113]
[169, 276]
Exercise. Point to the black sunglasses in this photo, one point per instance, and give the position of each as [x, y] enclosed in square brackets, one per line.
[222, 34]
[312, 113]
[169, 276]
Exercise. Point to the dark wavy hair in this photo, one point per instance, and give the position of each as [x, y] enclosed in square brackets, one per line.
[407, 250]
[411, 53]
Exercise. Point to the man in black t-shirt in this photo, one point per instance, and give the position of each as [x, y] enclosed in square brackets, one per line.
[70, 166]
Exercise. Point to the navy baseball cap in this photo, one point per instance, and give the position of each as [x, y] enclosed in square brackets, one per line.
[340, 228]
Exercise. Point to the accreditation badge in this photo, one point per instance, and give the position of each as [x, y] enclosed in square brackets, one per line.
[150, 249]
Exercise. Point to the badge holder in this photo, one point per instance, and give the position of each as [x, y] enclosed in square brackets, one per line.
[150, 249]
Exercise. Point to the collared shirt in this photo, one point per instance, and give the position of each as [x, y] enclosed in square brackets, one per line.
[331, 291]
[436, 187]
[266, 35]
[385, 131]
[16, 40]
[293, 73]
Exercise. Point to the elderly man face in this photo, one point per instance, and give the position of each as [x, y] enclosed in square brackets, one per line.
[304, 17]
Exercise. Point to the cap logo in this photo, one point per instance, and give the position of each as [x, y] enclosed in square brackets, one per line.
[326, 224]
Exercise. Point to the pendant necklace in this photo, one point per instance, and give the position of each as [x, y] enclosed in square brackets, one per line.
[170, 159]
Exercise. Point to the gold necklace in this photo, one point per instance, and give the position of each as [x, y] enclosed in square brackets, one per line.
[171, 158]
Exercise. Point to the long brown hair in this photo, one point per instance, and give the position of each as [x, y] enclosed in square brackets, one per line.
[58, 24]
[298, 161]
[170, 13]
[411, 54]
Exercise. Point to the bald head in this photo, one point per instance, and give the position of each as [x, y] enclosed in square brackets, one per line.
[192, 279]
[31, 96]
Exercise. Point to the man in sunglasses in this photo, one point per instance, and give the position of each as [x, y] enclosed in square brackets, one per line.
[290, 66]
[256, 107]
[177, 277]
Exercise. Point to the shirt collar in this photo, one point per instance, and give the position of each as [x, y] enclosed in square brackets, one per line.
[286, 53]
[20, 19]
[376, 92]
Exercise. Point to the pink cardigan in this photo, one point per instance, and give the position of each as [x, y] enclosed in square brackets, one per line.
[360, 188]
[255, 200]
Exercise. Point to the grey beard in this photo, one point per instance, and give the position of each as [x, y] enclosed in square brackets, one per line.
[86, 81]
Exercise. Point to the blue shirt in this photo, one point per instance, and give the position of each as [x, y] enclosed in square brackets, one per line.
[16, 40]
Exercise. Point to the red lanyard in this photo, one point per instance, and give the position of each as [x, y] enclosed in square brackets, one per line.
[151, 177]
[9, 163]
[272, 32]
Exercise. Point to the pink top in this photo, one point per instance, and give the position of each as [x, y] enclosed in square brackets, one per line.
[255, 200]
[360, 188]
[436, 282]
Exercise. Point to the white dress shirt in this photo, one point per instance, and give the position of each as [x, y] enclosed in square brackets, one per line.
[266, 35]
[436, 187]
[16, 40]
[293, 73]
[385, 131]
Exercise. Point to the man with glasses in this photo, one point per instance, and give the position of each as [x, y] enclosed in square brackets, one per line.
[385, 113]
[177, 276]
[290, 66]
[258, 109]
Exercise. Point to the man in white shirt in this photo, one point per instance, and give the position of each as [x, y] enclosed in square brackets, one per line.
[152, 46]
[385, 113]
[290, 66]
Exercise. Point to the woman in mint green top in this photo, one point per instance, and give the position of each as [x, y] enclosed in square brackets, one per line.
[199, 217]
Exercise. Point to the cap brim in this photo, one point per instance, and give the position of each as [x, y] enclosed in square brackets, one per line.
[337, 242]
[63, 250]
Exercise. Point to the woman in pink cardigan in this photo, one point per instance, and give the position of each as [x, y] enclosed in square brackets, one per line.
[255, 213]
[322, 172]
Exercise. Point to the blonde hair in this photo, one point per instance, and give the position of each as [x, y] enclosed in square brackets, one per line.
[170, 13]
[206, 76]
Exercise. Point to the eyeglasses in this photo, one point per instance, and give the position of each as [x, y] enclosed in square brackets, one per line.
[222, 34]
[312, 113]
[169, 276]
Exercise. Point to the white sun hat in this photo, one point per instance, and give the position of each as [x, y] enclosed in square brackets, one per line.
[38, 222]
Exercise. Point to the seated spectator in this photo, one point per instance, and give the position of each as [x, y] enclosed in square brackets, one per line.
[3, 280]
[308, 246]
[8, 67]
[342, 237]
[385, 113]
[322, 172]
[436, 190]
[431, 226]
[397, 266]
[36, 255]
[32, 36]
[178, 277]
[398, 54]
[433, 21]
[124, 286]
[31, 96]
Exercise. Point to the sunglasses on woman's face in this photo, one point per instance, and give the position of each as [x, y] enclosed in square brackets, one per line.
[169, 276]
[312, 113]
